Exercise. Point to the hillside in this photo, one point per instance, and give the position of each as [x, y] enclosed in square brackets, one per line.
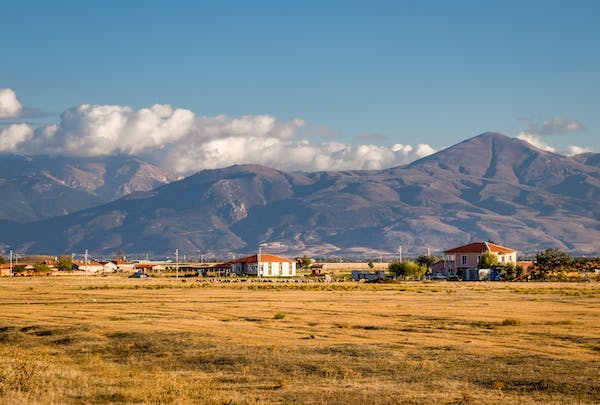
[488, 187]
[40, 187]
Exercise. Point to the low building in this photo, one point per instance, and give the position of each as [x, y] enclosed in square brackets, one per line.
[123, 265]
[5, 269]
[318, 269]
[90, 266]
[108, 267]
[263, 265]
[358, 275]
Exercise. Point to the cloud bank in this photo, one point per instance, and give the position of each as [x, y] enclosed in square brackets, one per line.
[182, 141]
[10, 107]
[556, 126]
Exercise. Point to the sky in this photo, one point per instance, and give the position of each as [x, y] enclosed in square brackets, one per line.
[307, 85]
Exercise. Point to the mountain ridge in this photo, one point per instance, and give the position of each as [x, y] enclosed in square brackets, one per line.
[40, 186]
[487, 187]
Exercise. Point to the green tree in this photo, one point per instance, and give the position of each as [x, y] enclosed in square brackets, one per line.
[305, 262]
[508, 271]
[2, 260]
[407, 269]
[487, 260]
[64, 263]
[40, 268]
[550, 261]
[18, 268]
[427, 261]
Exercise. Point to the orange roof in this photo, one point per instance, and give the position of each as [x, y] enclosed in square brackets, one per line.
[119, 261]
[263, 258]
[480, 247]
[89, 263]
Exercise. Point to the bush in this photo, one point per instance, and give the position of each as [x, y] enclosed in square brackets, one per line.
[406, 269]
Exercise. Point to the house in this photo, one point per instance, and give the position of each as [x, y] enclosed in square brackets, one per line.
[109, 267]
[318, 269]
[463, 260]
[123, 265]
[90, 266]
[5, 269]
[263, 265]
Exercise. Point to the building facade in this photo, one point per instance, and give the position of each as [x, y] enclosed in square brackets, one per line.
[263, 265]
[465, 259]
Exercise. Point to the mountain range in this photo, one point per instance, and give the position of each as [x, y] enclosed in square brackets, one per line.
[490, 187]
[41, 187]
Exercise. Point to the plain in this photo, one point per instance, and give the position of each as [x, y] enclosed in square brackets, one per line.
[118, 340]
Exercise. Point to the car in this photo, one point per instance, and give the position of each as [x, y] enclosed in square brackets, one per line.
[139, 274]
[439, 277]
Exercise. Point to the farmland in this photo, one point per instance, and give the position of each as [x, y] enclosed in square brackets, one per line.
[117, 340]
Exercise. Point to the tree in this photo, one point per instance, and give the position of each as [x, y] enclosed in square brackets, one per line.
[406, 269]
[550, 261]
[1, 260]
[19, 268]
[427, 261]
[508, 271]
[64, 263]
[487, 260]
[305, 262]
[40, 268]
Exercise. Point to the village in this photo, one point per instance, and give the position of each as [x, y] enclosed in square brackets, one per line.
[477, 261]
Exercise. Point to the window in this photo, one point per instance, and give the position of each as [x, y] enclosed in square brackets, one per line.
[464, 260]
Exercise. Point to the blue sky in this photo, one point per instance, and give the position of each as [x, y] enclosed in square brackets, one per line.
[377, 72]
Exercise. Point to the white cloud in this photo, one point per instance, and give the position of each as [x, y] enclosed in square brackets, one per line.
[12, 137]
[556, 126]
[535, 140]
[576, 150]
[180, 140]
[10, 107]
[89, 130]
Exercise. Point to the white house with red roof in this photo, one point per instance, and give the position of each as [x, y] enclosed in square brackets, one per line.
[263, 265]
[459, 259]
[89, 266]
[123, 265]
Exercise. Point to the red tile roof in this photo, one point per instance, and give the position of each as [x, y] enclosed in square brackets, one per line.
[119, 261]
[480, 247]
[263, 258]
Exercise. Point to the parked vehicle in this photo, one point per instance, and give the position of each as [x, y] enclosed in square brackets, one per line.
[139, 274]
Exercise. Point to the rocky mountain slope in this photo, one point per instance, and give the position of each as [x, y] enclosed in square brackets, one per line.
[39, 187]
[488, 187]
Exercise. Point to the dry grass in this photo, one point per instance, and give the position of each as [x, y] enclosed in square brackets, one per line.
[116, 340]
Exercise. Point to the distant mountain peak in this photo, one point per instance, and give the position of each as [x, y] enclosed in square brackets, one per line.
[488, 187]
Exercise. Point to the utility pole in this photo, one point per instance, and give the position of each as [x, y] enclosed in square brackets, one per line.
[176, 263]
[258, 262]
[400, 251]
[10, 262]
[85, 262]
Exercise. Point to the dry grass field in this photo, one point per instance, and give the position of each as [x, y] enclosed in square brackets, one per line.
[93, 340]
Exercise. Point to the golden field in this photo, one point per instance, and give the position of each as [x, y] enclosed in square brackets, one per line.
[67, 340]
